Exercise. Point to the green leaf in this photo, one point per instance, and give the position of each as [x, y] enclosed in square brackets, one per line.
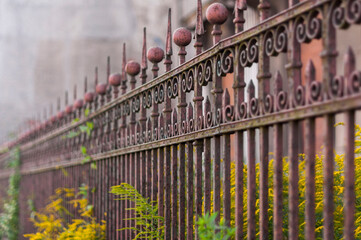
[75, 120]
[93, 165]
[83, 128]
[86, 112]
[83, 150]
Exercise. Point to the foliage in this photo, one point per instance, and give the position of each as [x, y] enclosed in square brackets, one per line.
[148, 223]
[338, 194]
[87, 128]
[208, 229]
[9, 218]
[51, 222]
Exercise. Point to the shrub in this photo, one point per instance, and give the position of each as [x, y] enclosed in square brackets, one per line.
[51, 223]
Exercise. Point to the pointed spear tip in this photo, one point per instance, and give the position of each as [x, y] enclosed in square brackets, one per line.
[310, 69]
[169, 34]
[349, 55]
[199, 24]
[144, 50]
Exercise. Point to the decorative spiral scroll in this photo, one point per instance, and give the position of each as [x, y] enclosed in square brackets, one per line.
[138, 138]
[315, 91]
[281, 39]
[252, 50]
[248, 53]
[338, 16]
[300, 31]
[282, 101]
[227, 61]
[300, 96]
[268, 44]
[169, 88]
[253, 107]
[190, 125]
[161, 93]
[149, 135]
[144, 139]
[175, 87]
[219, 66]
[135, 104]
[149, 98]
[200, 75]
[169, 131]
[204, 73]
[128, 140]
[268, 104]
[190, 80]
[200, 123]
[353, 11]
[183, 82]
[355, 82]
[243, 110]
[127, 108]
[314, 26]
[183, 127]
[228, 114]
[218, 119]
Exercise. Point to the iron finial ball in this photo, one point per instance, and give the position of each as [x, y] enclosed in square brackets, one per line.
[89, 97]
[115, 79]
[60, 115]
[68, 109]
[217, 13]
[155, 54]
[78, 103]
[132, 68]
[101, 88]
[182, 37]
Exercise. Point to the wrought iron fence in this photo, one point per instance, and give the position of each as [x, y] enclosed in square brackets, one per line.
[181, 155]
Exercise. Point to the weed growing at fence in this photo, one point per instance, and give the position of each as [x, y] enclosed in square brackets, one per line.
[87, 128]
[208, 229]
[51, 222]
[9, 218]
[148, 223]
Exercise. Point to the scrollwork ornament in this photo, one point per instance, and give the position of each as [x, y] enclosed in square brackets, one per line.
[315, 91]
[149, 135]
[200, 74]
[314, 26]
[300, 31]
[208, 71]
[268, 104]
[280, 43]
[355, 82]
[169, 88]
[243, 110]
[169, 131]
[184, 82]
[253, 107]
[243, 55]
[161, 93]
[218, 116]
[353, 11]
[190, 125]
[175, 129]
[337, 86]
[300, 96]
[149, 98]
[175, 87]
[155, 134]
[338, 16]
[219, 66]
[269, 44]
[228, 114]
[190, 80]
[227, 61]
[208, 120]
[183, 127]
[252, 51]
[156, 94]
[282, 101]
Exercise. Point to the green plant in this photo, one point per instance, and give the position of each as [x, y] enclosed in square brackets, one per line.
[9, 218]
[87, 128]
[208, 229]
[51, 224]
[148, 223]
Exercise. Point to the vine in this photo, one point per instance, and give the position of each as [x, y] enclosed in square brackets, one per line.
[9, 218]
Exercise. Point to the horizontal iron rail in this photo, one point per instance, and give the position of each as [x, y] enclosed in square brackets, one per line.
[314, 110]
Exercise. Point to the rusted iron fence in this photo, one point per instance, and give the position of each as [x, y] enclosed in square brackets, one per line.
[176, 135]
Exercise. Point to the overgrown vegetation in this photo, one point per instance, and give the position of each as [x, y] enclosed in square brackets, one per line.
[9, 218]
[51, 222]
[148, 223]
[208, 229]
